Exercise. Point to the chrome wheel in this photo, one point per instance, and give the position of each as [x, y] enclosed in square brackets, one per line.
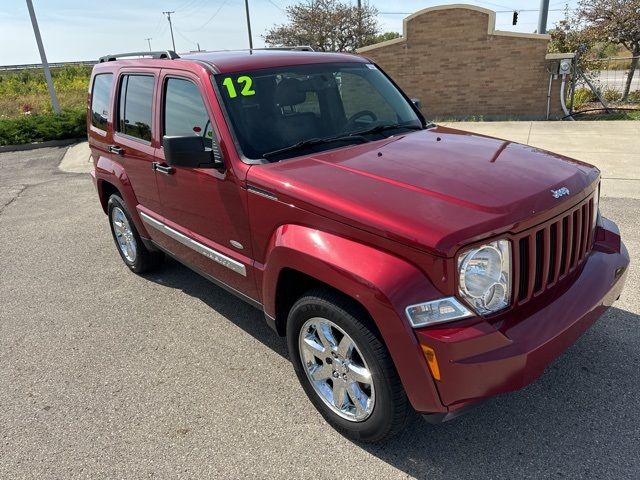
[124, 234]
[336, 369]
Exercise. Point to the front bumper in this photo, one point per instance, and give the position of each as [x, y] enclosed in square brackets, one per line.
[479, 358]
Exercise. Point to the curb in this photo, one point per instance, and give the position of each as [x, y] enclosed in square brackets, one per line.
[36, 145]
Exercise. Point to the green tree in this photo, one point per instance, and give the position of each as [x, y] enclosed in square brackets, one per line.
[382, 37]
[614, 21]
[325, 25]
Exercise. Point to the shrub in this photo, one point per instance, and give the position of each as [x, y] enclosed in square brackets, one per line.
[611, 95]
[581, 97]
[43, 127]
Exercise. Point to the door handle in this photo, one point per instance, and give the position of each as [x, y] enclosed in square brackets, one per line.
[162, 168]
[116, 149]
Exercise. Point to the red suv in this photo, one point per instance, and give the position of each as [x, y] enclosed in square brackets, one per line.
[413, 268]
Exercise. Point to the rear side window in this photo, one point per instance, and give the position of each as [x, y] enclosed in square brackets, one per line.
[100, 96]
[184, 110]
[135, 107]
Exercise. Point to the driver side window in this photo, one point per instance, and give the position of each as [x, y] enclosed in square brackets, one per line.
[358, 94]
[184, 110]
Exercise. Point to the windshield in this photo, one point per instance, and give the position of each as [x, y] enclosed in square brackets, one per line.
[279, 112]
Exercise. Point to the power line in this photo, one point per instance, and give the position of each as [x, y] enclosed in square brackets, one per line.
[187, 39]
[210, 18]
[192, 8]
[492, 4]
[277, 6]
[158, 26]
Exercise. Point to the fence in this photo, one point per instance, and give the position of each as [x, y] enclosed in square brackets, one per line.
[609, 76]
[30, 66]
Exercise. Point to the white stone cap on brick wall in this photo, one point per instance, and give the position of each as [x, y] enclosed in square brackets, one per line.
[559, 56]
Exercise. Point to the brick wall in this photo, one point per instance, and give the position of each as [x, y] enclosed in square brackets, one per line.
[458, 65]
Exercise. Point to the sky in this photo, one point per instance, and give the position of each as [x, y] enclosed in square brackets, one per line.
[85, 30]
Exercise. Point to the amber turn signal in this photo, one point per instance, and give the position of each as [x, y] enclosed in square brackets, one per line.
[432, 361]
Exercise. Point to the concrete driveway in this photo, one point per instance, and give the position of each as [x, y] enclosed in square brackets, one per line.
[105, 374]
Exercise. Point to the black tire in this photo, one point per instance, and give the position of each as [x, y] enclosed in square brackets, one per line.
[392, 410]
[145, 260]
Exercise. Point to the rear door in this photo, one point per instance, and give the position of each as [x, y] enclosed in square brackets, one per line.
[133, 140]
[205, 206]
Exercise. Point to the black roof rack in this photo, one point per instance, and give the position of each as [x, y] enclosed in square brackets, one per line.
[168, 54]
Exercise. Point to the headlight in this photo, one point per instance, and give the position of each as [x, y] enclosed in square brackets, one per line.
[437, 311]
[485, 276]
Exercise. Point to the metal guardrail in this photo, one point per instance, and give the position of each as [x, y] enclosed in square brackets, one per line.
[28, 66]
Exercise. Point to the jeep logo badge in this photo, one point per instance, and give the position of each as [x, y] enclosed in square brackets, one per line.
[561, 192]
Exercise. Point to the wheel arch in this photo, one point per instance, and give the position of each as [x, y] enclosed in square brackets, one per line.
[111, 178]
[293, 284]
[105, 190]
[300, 258]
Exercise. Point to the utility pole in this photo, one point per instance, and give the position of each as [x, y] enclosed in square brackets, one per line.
[149, 42]
[544, 13]
[168, 14]
[246, 6]
[43, 57]
[359, 23]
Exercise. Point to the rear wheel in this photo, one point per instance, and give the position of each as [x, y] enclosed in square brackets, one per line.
[132, 251]
[344, 368]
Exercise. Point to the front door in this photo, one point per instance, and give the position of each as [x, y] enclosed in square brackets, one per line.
[205, 209]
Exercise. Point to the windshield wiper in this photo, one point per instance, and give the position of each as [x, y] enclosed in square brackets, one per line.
[314, 141]
[382, 128]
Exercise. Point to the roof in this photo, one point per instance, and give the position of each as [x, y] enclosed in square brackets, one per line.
[229, 61]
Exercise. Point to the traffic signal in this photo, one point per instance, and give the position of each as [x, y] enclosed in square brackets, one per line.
[515, 18]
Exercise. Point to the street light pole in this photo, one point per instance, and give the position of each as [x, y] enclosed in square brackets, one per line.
[246, 6]
[168, 14]
[544, 13]
[149, 42]
[43, 57]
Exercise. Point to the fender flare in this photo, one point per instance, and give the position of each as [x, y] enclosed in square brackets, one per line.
[108, 171]
[381, 282]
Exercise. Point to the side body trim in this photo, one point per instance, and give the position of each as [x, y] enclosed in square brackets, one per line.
[214, 255]
[261, 192]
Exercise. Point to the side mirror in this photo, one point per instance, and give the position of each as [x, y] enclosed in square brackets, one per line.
[416, 102]
[190, 151]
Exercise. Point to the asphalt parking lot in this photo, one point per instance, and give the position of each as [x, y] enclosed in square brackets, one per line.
[105, 374]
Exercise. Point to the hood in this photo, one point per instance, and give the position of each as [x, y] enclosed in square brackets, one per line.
[434, 189]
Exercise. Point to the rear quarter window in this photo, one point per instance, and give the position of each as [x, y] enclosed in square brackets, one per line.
[136, 106]
[100, 100]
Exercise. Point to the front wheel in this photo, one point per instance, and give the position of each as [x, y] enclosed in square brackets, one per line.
[133, 252]
[344, 368]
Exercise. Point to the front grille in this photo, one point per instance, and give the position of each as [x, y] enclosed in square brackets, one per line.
[546, 254]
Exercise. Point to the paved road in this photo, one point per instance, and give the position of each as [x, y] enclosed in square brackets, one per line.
[616, 79]
[104, 374]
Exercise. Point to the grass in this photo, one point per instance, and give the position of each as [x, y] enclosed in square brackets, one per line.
[25, 91]
[615, 115]
[26, 114]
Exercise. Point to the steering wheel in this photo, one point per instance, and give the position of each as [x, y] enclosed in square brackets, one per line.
[357, 116]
